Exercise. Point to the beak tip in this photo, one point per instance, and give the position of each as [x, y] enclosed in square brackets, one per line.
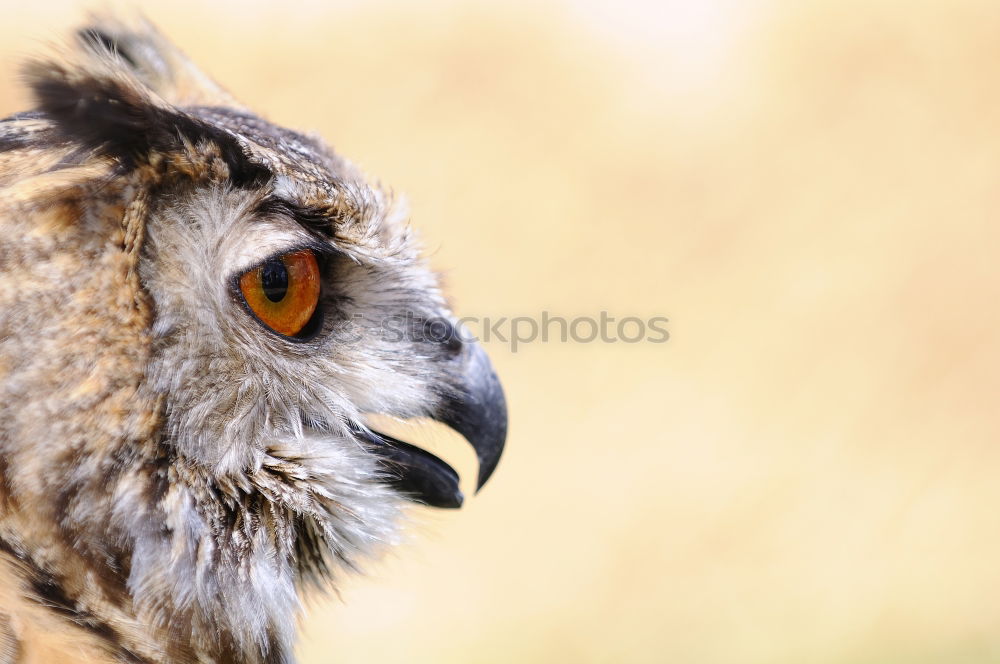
[478, 411]
[485, 472]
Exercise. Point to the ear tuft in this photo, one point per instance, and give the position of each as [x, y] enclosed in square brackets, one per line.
[153, 60]
[98, 104]
[100, 40]
[95, 101]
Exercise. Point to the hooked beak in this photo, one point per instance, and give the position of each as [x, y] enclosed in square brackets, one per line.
[472, 403]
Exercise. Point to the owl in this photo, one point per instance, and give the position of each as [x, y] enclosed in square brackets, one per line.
[200, 311]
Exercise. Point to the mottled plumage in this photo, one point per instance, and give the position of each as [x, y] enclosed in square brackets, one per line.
[173, 472]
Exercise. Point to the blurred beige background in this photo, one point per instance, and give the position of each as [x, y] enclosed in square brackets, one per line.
[808, 470]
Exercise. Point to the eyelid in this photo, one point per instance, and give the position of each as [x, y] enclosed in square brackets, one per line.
[323, 253]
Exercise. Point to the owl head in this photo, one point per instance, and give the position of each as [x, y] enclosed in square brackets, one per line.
[199, 311]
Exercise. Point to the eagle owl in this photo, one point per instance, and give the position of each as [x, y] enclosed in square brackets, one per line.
[198, 312]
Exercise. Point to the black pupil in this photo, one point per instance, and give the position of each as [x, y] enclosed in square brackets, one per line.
[274, 280]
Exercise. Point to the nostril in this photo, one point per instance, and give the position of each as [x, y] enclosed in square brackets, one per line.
[446, 333]
[454, 342]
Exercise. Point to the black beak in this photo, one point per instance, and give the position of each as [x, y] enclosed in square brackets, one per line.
[473, 404]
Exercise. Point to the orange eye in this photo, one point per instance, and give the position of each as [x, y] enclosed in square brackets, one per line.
[284, 291]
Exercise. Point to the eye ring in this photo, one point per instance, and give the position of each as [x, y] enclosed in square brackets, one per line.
[283, 293]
